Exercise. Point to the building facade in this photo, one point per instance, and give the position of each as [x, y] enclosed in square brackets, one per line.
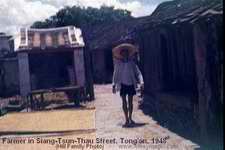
[182, 61]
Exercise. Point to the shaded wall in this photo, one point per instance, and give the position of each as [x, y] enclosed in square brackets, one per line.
[9, 77]
[168, 65]
[209, 67]
[185, 59]
[49, 70]
[5, 46]
[98, 64]
[102, 63]
[166, 59]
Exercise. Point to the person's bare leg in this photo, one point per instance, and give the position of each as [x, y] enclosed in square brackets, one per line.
[130, 108]
[125, 110]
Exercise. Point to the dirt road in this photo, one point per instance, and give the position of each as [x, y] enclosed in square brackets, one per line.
[103, 125]
[110, 118]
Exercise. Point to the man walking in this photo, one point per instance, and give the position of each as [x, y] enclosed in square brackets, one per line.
[126, 76]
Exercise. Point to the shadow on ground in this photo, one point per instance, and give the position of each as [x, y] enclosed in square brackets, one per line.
[135, 125]
[178, 119]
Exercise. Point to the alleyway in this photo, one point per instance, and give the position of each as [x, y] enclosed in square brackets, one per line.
[110, 118]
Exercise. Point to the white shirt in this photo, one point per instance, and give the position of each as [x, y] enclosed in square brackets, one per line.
[127, 74]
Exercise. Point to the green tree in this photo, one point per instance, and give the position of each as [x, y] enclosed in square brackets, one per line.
[83, 17]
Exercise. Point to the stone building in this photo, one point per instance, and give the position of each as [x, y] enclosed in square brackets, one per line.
[181, 53]
[51, 58]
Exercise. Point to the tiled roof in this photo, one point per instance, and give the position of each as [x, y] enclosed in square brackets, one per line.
[32, 39]
[171, 12]
[107, 35]
[178, 11]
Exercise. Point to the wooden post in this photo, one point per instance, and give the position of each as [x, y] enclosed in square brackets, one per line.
[79, 67]
[89, 74]
[42, 101]
[24, 74]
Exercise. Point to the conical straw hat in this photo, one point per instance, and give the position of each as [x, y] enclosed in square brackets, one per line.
[117, 50]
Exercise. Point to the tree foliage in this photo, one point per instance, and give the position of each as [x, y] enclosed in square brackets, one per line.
[83, 17]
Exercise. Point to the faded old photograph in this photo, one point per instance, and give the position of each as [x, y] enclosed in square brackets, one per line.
[111, 75]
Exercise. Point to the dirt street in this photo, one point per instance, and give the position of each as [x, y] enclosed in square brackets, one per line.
[110, 118]
[103, 125]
